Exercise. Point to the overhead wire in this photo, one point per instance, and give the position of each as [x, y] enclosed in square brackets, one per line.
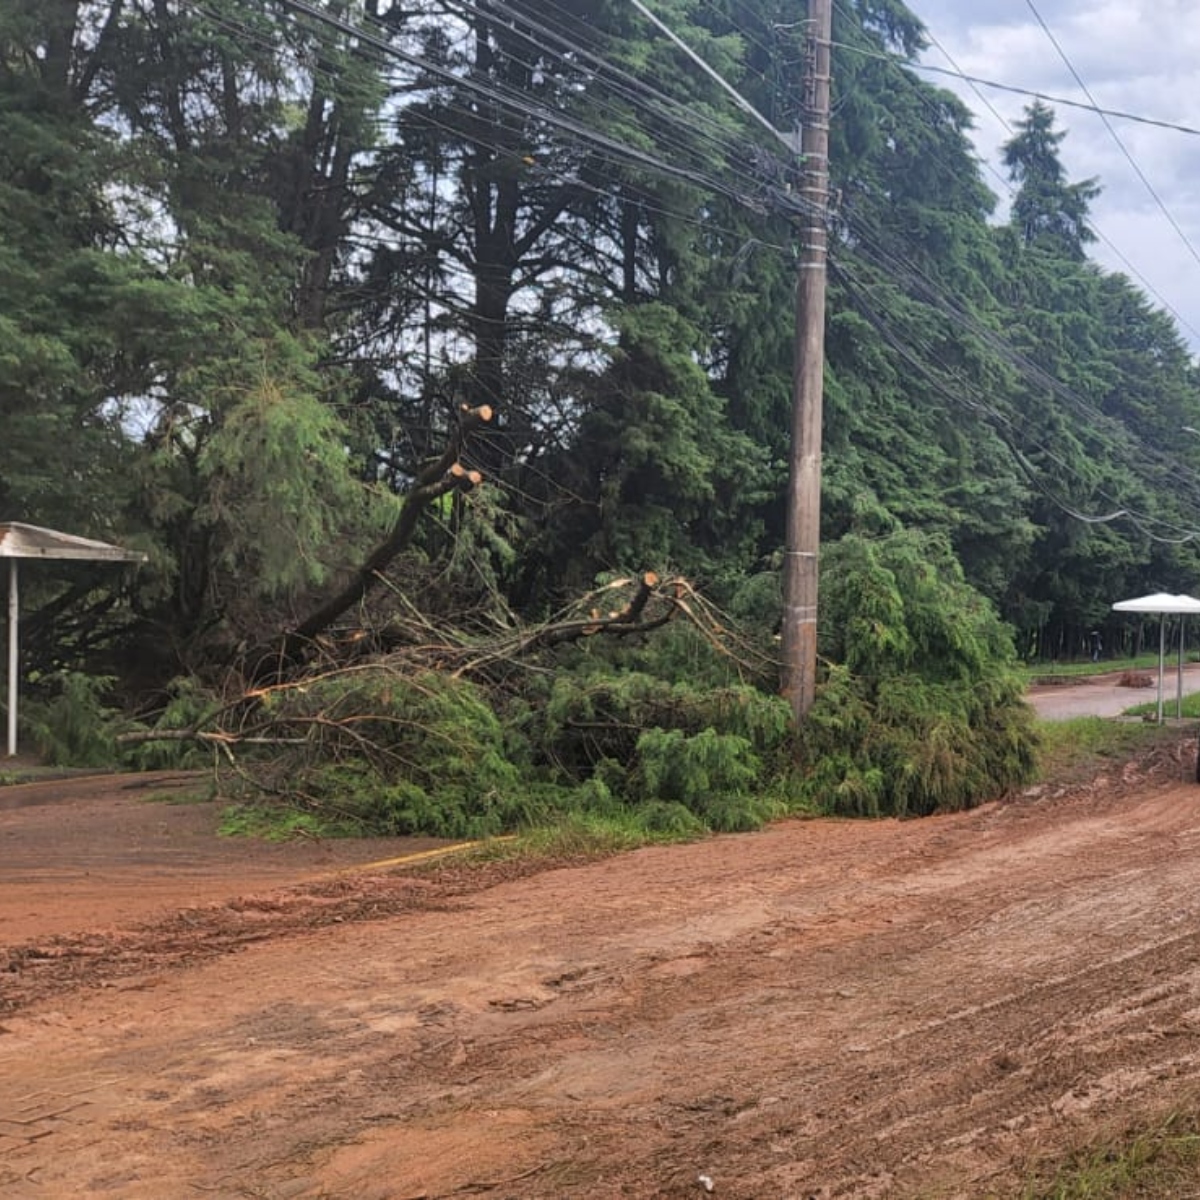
[931, 293]
[902, 268]
[1064, 101]
[1158, 200]
[1047, 380]
[689, 121]
[1006, 185]
[1009, 432]
[514, 101]
[553, 118]
[542, 167]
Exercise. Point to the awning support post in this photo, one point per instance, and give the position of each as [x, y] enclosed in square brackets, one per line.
[14, 604]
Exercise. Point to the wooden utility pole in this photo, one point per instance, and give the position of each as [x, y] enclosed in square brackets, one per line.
[800, 570]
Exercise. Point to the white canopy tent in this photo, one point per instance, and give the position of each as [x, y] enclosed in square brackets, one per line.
[1163, 603]
[19, 541]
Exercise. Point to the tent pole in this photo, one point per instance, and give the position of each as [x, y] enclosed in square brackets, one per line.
[1179, 675]
[1162, 654]
[13, 606]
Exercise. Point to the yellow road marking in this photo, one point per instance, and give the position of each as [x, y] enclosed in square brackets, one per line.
[440, 852]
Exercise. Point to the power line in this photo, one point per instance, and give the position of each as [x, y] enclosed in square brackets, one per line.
[1022, 366]
[1108, 125]
[514, 101]
[1020, 91]
[729, 89]
[900, 268]
[999, 421]
[1004, 183]
[586, 134]
[637, 92]
[539, 165]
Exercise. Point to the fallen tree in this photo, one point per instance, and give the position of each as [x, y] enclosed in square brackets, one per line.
[463, 735]
[438, 478]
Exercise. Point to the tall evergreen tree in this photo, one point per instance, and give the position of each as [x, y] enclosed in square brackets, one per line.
[1047, 212]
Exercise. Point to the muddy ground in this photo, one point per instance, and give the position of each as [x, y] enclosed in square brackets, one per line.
[821, 1009]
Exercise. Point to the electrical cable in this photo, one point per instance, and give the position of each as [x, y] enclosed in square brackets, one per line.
[1006, 185]
[1098, 421]
[999, 421]
[1116, 138]
[1174, 126]
[621, 83]
[747, 169]
[896, 267]
[514, 101]
[539, 112]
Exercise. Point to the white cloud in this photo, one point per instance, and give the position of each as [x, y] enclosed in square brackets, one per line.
[1138, 56]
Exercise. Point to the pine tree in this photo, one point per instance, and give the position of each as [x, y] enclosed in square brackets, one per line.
[1047, 212]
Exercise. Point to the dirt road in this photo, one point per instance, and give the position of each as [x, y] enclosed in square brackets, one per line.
[822, 1009]
[107, 851]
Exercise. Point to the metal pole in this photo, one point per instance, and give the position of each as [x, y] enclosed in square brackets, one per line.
[1179, 674]
[1162, 654]
[13, 637]
[800, 577]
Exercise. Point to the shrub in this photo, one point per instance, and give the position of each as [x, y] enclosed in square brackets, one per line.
[924, 711]
[74, 727]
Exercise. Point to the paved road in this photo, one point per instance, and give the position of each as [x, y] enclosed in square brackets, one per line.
[1103, 696]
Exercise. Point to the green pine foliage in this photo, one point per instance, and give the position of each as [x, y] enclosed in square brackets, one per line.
[922, 709]
[71, 720]
[716, 777]
[396, 755]
[371, 750]
[249, 275]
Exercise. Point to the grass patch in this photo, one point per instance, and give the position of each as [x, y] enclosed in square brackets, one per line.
[598, 836]
[1086, 746]
[203, 794]
[1149, 1162]
[1191, 705]
[577, 837]
[272, 823]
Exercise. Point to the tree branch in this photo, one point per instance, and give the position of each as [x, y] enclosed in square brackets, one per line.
[442, 475]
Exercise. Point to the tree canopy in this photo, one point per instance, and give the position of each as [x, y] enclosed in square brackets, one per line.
[352, 311]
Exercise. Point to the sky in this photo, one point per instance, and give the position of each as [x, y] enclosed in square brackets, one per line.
[1138, 56]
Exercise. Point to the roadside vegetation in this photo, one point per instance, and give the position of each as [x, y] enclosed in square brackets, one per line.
[1086, 747]
[1039, 672]
[1190, 709]
[1152, 1159]
[453, 418]
[672, 728]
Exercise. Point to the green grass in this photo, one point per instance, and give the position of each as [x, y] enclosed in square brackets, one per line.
[576, 837]
[274, 823]
[1149, 1162]
[598, 836]
[1191, 704]
[201, 794]
[1087, 746]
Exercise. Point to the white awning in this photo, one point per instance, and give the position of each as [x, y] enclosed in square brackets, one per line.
[18, 540]
[1163, 604]
[1159, 602]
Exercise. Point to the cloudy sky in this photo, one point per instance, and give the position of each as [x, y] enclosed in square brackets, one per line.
[1137, 56]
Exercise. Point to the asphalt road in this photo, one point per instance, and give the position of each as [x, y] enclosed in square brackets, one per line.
[1104, 696]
